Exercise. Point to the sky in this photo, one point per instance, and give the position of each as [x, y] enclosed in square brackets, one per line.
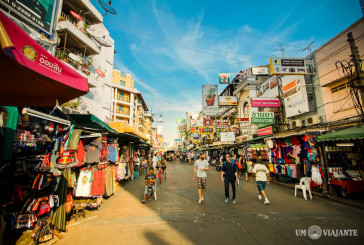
[172, 48]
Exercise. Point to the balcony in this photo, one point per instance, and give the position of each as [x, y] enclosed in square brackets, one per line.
[88, 11]
[123, 112]
[123, 99]
[72, 35]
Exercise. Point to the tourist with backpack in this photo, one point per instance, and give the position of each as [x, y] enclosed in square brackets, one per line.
[229, 176]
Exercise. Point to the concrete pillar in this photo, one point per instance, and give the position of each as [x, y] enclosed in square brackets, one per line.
[115, 92]
[252, 86]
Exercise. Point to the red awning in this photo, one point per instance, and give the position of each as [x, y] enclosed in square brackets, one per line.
[30, 75]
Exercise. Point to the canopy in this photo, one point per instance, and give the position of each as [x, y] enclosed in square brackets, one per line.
[260, 138]
[30, 75]
[89, 121]
[353, 133]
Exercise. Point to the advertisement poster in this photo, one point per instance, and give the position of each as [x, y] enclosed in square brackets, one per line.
[228, 100]
[259, 70]
[210, 100]
[227, 137]
[39, 13]
[268, 89]
[288, 66]
[265, 131]
[205, 130]
[265, 102]
[262, 118]
[222, 123]
[295, 95]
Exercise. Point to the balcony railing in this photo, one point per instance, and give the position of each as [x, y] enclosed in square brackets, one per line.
[83, 65]
[65, 17]
[125, 99]
[123, 112]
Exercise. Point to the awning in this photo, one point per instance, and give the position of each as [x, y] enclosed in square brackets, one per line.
[89, 121]
[31, 76]
[123, 127]
[260, 138]
[353, 133]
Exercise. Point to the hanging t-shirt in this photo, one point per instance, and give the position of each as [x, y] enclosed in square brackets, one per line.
[80, 153]
[270, 143]
[93, 151]
[98, 184]
[84, 183]
[286, 151]
[294, 171]
[296, 150]
[103, 157]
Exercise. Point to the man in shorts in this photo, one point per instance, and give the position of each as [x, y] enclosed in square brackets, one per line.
[201, 166]
[150, 180]
[261, 173]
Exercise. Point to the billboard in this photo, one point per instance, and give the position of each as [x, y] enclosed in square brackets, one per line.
[205, 130]
[265, 102]
[180, 120]
[222, 123]
[269, 88]
[295, 95]
[262, 118]
[39, 13]
[227, 137]
[265, 131]
[228, 100]
[210, 100]
[288, 66]
[259, 70]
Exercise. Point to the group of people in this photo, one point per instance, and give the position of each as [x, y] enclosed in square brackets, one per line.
[229, 176]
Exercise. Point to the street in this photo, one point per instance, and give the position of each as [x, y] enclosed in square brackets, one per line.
[176, 217]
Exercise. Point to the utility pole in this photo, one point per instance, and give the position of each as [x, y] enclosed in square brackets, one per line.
[356, 59]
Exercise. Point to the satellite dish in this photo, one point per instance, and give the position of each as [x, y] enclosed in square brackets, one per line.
[100, 73]
[77, 16]
[90, 31]
[107, 7]
[102, 41]
[74, 57]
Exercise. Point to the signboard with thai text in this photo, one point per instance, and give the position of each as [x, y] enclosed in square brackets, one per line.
[210, 100]
[222, 123]
[262, 118]
[205, 130]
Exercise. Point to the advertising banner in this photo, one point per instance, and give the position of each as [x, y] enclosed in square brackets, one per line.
[222, 123]
[210, 100]
[241, 139]
[208, 122]
[288, 66]
[265, 131]
[182, 133]
[295, 95]
[205, 130]
[180, 120]
[265, 102]
[227, 137]
[268, 89]
[177, 139]
[182, 127]
[262, 118]
[259, 70]
[194, 129]
[243, 119]
[39, 13]
[228, 100]
[224, 78]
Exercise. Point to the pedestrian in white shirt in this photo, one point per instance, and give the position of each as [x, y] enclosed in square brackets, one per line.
[200, 168]
[155, 161]
[261, 173]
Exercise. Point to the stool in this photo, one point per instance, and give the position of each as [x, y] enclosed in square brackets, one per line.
[79, 211]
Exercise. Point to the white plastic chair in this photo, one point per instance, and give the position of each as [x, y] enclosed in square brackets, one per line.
[305, 185]
[155, 191]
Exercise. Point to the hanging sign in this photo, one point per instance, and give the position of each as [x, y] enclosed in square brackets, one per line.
[208, 122]
[222, 123]
[241, 139]
[205, 130]
[243, 119]
[262, 117]
[210, 100]
[288, 66]
[265, 131]
[228, 100]
[227, 137]
[194, 129]
[269, 88]
[265, 102]
[224, 78]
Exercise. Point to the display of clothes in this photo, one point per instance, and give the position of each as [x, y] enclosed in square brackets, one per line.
[113, 153]
[93, 151]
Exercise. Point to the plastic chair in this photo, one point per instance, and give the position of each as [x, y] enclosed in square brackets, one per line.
[305, 185]
[155, 192]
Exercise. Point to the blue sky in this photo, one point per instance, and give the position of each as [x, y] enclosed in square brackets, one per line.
[171, 48]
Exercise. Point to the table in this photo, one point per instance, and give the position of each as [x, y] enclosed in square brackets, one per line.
[349, 185]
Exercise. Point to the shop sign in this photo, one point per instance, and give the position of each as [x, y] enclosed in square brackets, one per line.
[269, 88]
[37, 13]
[243, 119]
[208, 122]
[227, 137]
[241, 139]
[222, 123]
[259, 70]
[265, 102]
[205, 130]
[265, 131]
[195, 136]
[182, 133]
[182, 127]
[210, 100]
[177, 139]
[295, 95]
[194, 129]
[262, 118]
[228, 100]
[288, 66]
[224, 78]
[180, 120]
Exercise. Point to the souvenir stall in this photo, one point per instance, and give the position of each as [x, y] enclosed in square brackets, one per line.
[293, 157]
[30, 191]
[344, 161]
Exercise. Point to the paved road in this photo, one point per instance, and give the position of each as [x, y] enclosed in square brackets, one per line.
[177, 218]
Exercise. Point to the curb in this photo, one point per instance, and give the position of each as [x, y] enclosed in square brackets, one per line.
[323, 196]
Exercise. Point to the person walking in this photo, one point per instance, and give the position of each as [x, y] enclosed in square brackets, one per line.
[229, 176]
[201, 166]
[261, 173]
[155, 161]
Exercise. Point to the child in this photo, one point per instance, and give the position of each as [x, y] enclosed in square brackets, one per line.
[149, 183]
[261, 173]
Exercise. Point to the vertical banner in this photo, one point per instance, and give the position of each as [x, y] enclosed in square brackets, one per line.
[210, 100]
[224, 78]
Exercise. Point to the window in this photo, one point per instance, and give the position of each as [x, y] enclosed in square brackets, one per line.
[121, 96]
[341, 94]
[121, 108]
[122, 83]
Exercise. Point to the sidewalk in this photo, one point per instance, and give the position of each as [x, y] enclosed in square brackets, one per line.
[350, 202]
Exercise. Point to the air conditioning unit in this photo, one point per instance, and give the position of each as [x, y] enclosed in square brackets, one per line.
[295, 123]
[312, 120]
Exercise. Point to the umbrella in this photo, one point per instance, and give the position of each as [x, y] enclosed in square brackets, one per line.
[101, 73]
[77, 16]
[30, 75]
